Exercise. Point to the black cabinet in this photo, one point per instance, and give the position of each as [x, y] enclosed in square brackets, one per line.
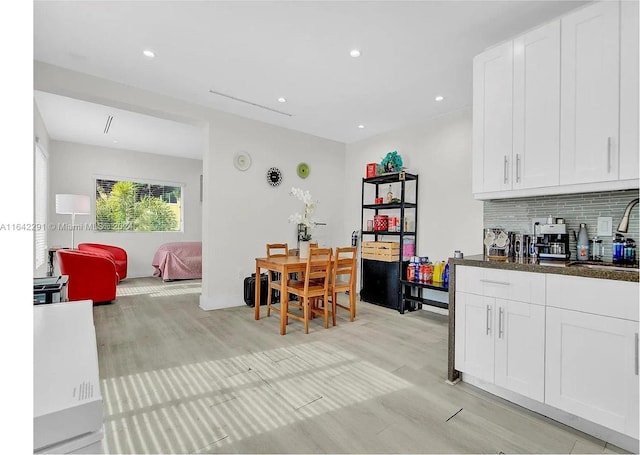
[381, 279]
[381, 283]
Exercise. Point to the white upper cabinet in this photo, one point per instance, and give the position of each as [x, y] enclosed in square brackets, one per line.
[629, 50]
[492, 119]
[590, 94]
[555, 110]
[536, 117]
[516, 117]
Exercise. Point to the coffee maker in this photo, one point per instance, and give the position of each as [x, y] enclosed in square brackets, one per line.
[553, 241]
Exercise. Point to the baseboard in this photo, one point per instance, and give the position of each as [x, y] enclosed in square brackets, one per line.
[219, 302]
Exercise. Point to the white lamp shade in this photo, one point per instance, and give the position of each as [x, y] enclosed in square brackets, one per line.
[72, 204]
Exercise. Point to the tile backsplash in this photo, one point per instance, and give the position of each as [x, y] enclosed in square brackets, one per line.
[516, 214]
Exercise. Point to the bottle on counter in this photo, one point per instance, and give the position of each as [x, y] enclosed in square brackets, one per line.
[618, 248]
[630, 251]
[582, 247]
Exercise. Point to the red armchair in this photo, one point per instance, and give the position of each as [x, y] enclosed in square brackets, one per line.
[91, 276]
[117, 254]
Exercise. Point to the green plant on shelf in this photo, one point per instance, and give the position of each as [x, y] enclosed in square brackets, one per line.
[392, 162]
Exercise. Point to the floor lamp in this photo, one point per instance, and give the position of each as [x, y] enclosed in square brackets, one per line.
[72, 204]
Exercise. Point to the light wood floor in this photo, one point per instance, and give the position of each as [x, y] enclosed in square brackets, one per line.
[177, 379]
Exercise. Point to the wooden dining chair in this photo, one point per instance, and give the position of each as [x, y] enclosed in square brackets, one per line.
[343, 279]
[274, 279]
[315, 285]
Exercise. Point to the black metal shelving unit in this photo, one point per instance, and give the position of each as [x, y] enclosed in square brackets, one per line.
[381, 280]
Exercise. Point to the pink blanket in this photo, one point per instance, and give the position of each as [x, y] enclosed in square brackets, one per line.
[178, 261]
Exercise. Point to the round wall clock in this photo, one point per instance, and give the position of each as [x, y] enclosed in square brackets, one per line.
[274, 176]
[242, 161]
[303, 170]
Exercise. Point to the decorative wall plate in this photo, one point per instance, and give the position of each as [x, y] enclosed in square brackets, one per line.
[274, 176]
[242, 161]
[303, 170]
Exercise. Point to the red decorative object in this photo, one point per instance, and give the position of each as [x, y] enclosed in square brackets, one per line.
[371, 170]
[91, 276]
[115, 253]
[379, 200]
[380, 222]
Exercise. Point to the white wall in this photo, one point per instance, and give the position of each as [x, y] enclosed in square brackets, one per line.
[241, 212]
[439, 151]
[73, 169]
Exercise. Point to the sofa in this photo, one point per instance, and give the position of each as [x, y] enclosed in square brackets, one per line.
[91, 276]
[115, 253]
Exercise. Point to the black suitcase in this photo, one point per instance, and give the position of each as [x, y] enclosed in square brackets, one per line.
[250, 289]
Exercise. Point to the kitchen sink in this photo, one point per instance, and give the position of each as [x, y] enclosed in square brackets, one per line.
[605, 266]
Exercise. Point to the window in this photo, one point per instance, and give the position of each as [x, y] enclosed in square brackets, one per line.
[40, 192]
[137, 206]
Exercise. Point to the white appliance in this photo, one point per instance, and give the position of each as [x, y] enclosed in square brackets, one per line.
[68, 410]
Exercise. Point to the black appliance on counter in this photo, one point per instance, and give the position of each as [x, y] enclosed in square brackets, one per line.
[553, 241]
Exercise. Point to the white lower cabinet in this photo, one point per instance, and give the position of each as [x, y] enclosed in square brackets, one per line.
[520, 348]
[475, 351]
[592, 368]
[569, 343]
[592, 350]
[499, 340]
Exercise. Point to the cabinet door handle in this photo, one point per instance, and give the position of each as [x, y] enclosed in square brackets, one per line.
[636, 340]
[500, 315]
[608, 154]
[502, 283]
[488, 318]
[517, 168]
[504, 168]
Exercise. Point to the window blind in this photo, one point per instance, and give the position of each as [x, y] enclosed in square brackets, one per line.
[126, 205]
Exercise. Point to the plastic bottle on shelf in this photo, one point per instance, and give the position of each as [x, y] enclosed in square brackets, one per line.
[437, 272]
[428, 273]
[445, 274]
[411, 271]
[389, 195]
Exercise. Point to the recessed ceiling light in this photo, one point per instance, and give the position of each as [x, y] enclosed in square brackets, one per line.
[439, 98]
[115, 142]
[354, 53]
[361, 126]
[149, 53]
[282, 100]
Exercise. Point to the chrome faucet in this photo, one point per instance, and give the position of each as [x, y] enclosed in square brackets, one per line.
[624, 222]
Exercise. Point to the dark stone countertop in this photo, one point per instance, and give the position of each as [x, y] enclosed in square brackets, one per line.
[556, 267]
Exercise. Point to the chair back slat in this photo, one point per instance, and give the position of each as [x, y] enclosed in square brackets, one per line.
[344, 264]
[318, 270]
[277, 250]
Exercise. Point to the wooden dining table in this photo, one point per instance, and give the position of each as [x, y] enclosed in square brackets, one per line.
[284, 265]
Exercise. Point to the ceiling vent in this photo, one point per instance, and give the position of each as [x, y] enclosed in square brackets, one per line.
[108, 124]
[251, 103]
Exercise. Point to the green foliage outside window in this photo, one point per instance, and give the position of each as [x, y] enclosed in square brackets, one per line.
[133, 206]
